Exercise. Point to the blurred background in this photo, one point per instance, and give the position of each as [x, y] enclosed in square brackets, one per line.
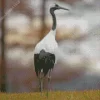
[23, 23]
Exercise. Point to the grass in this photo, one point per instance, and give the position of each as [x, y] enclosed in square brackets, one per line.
[57, 95]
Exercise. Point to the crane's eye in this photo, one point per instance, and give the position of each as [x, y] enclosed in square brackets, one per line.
[56, 5]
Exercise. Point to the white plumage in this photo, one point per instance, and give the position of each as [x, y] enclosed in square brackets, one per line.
[48, 43]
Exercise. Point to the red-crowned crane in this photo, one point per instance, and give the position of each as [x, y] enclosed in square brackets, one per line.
[44, 53]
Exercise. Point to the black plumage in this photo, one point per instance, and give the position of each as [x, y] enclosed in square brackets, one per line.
[43, 61]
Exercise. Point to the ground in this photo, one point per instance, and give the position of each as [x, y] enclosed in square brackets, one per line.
[54, 95]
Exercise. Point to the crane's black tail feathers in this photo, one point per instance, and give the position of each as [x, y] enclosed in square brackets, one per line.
[43, 61]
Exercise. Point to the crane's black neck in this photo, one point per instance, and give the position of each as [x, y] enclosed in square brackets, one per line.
[54, 18]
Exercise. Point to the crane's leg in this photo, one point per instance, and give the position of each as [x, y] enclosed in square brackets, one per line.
[41, 81]
[49, 80]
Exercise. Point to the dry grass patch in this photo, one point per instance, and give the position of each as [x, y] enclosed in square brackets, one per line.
[57, 95]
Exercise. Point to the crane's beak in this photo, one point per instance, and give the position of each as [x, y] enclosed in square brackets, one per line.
[63, 8]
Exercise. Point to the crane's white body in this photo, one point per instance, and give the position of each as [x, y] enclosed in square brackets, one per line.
[48, 43]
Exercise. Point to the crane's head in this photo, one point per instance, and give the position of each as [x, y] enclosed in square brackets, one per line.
[57, 7]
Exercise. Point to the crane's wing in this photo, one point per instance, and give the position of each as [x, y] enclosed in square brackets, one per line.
[44, 61]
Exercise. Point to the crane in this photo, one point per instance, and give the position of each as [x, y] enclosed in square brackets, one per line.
[45, 51]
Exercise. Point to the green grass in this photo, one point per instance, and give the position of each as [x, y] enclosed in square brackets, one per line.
[57, 95]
